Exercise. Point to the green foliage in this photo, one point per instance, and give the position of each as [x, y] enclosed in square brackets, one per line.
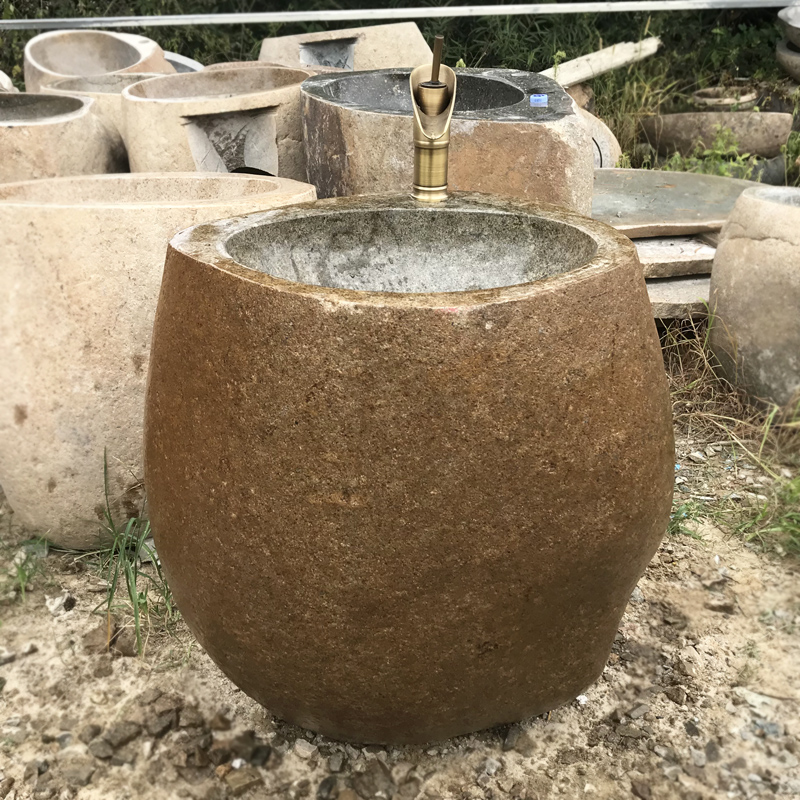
[776, 523]
[722, 158]
[683, 514]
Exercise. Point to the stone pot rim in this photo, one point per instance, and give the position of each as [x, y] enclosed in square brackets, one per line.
[206, 244]
[8, 190]
[775, 195]
[56, 87]
[527, 82]
[790, 16]
[249, 98]
[85, 104]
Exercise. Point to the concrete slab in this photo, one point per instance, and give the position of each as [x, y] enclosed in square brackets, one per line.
[645, 202]
[671, 256]
[679, 298]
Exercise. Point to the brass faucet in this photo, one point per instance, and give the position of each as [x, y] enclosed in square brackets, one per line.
[433, 102]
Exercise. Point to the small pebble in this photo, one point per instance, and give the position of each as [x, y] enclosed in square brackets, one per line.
[305, 749]
[336, 762]
[491, 766]
[6, 657]
[639, 711]
[29, 649]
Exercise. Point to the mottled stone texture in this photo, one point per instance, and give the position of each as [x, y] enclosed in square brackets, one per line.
[106, 94]
[217, 121]
[358, 134]
[81, 269]
[55, 55]
[398, 44]
[43, 137]
[398, 517]
[755, 294]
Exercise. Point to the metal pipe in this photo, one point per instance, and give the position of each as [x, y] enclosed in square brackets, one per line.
[368, 14]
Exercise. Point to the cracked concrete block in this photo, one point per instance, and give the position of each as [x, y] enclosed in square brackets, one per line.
[42, 136]
[217, 121]
[674, 256]
[81, 272]
[372, 47]
[755, 294]
[71, 54]
[359, 140]
[681, 297]
[106, 94]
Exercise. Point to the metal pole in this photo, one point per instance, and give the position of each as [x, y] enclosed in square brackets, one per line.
[367, 14]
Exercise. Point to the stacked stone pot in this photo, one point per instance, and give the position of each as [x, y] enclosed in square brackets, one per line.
[82, 264]
[217, 121]
[106, 94]
[401, 485]
[70, 54]
[43, 136]
[399, 44]
[358, 134]
[755, 294]
[788, 49]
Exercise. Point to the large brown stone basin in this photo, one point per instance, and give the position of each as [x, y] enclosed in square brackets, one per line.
[405, 464]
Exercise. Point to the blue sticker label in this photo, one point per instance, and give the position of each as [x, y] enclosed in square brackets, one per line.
[539, 100]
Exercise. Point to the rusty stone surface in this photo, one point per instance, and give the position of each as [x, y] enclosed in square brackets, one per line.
[393, 516]
[358, 135]
[755, 294]
[81, 269]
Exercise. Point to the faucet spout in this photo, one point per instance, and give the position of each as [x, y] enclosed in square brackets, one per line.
[433, 94]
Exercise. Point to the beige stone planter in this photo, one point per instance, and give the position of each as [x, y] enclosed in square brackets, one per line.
[755, 294]
[757, 133]
[413, 445]
[372, 47]
[358, 132]
[82, 263]
[217, 121]
[70, 54]
[106, 93]
[43, 136]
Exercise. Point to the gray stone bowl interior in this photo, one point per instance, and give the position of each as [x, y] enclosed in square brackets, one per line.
[112, 83]
[84, 53]
[411, 249]
[495, 94]
[783, 195]
[24, 109]
[217, 83]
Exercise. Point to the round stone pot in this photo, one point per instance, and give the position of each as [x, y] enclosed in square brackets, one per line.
[71, 54]
[759, 133]
[217, 121]
[43, 137]
[82, 263]
[106, 92]
[358, 134]
[755, 294]
[790, 17]
[405, 464]
[788, 56]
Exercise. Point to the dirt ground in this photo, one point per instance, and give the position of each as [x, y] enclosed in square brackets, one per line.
[700, 697]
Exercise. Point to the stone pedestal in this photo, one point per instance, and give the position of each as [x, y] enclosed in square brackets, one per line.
[358, 132]
[755, 294]
[43, 136]
[217, 121]
[392, 426]
[373, 47]
[81, 271]
[72, 54]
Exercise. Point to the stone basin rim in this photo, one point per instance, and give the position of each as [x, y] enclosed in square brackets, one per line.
[228, 76]
[780, 195]
[108, 83]
[36, 192]
[80, 105]
[207, 244]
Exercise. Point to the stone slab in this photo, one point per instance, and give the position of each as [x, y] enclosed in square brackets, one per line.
[643, 202]
[372, 47]
[679, 298]
[672, 256]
